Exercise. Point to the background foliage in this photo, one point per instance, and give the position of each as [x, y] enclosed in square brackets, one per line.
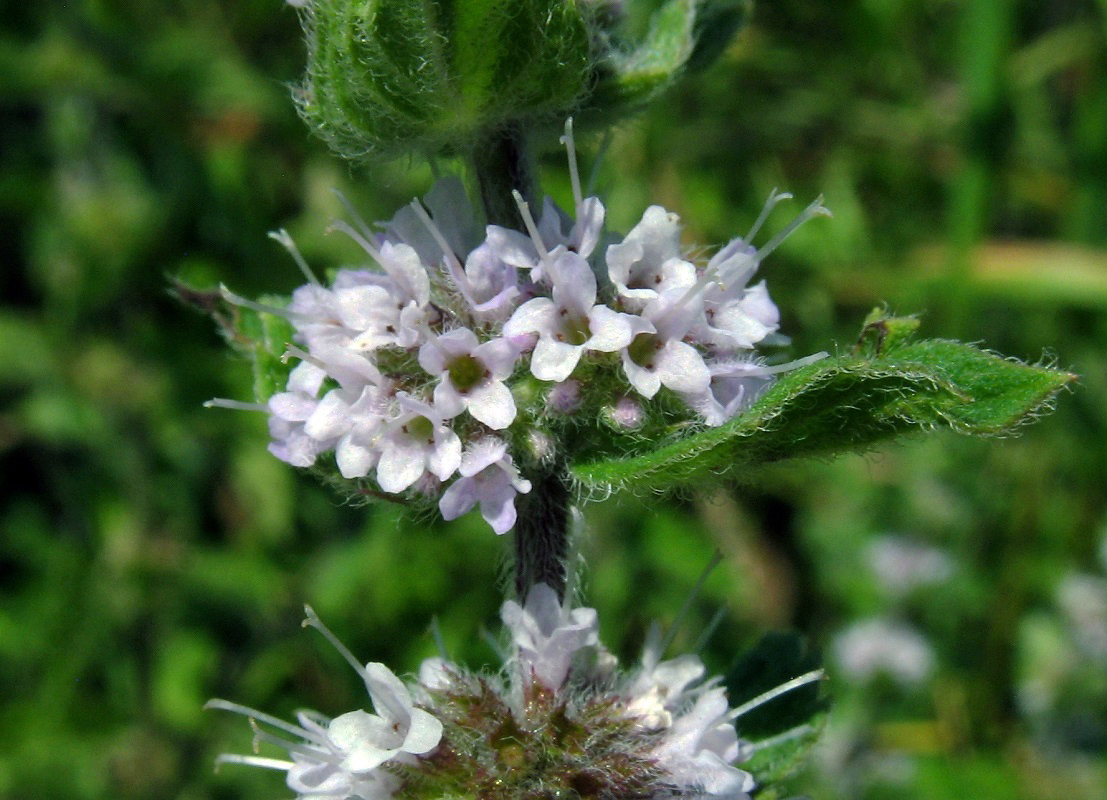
[152, 554]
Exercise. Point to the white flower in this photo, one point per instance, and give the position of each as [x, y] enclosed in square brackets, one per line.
[368, 740]
[736, 384]
[472, 375]
[659, 688]
[353, 422]
[571, 322]
[488, 477]
[901, 564]
[699, 749]
[648, 261]
[416, 442]
[290, 410]
[341, 757]
[546, 636]
[660, 357]
[883, 647]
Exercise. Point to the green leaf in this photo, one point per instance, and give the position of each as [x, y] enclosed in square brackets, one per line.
[717, 23]
[884, 389]
[630, 79]
[386, 78]
[682, 35]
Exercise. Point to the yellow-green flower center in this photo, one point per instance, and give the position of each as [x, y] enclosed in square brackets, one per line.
[574, 330]
[465, 373]
[643, 349]
[420, 428]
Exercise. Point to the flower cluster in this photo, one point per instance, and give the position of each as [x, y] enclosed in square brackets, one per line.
[560, 720]
[438, 364]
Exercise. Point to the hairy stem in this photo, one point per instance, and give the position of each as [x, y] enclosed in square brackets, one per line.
[542, 534]
[502, 163]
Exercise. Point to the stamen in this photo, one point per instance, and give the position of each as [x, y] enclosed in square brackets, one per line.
[453, 265]
[816, 209]
[494, 644]
[532, 229]
[737, 370]
[709, 630]
[263, 308]
[252, 714]
[312, 753]
[313, 621]
[774, 198]
[253, 761]
[716, 559]
[362, 241]
[234, 405]
[773, 694]
[799, 362]
[736, 271]
[362, 227]
[292, 351]
[574, 174]
[797, 732]
[285, 240]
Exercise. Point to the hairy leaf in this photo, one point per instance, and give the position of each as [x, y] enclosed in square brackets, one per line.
[884, 389]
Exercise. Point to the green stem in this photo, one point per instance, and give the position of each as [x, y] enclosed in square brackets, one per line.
[502, 163]
[542, 534]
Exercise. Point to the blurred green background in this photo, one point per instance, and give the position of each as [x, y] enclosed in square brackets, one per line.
[153, 555]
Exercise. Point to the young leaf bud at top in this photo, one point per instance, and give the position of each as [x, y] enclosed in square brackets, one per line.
[385, 78]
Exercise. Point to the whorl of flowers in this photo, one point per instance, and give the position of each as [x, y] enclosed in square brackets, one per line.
[439, 369]
[560, 720]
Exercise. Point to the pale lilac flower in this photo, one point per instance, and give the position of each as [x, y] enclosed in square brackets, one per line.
[699, 749]
[492, 273]
[341, 757]
[368, 740]
[571, 322]
[581, 235]
[659, 688]
[547, 636]
[878, 646]
[471, 376]
[736, 384]
[660, 357]
[648, 261]
[488, 477]
[415, 442]
[353, 422]
[290, 410]
[902, 564]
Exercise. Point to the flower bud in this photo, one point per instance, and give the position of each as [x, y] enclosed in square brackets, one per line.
[384, 78]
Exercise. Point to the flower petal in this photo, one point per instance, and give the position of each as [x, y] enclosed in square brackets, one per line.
[492, 404]
[553, 360]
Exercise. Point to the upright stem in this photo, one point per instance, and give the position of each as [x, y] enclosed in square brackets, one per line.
[502, 163]
[542, 534]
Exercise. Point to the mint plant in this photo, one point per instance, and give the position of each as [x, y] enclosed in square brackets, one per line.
[509, 356]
